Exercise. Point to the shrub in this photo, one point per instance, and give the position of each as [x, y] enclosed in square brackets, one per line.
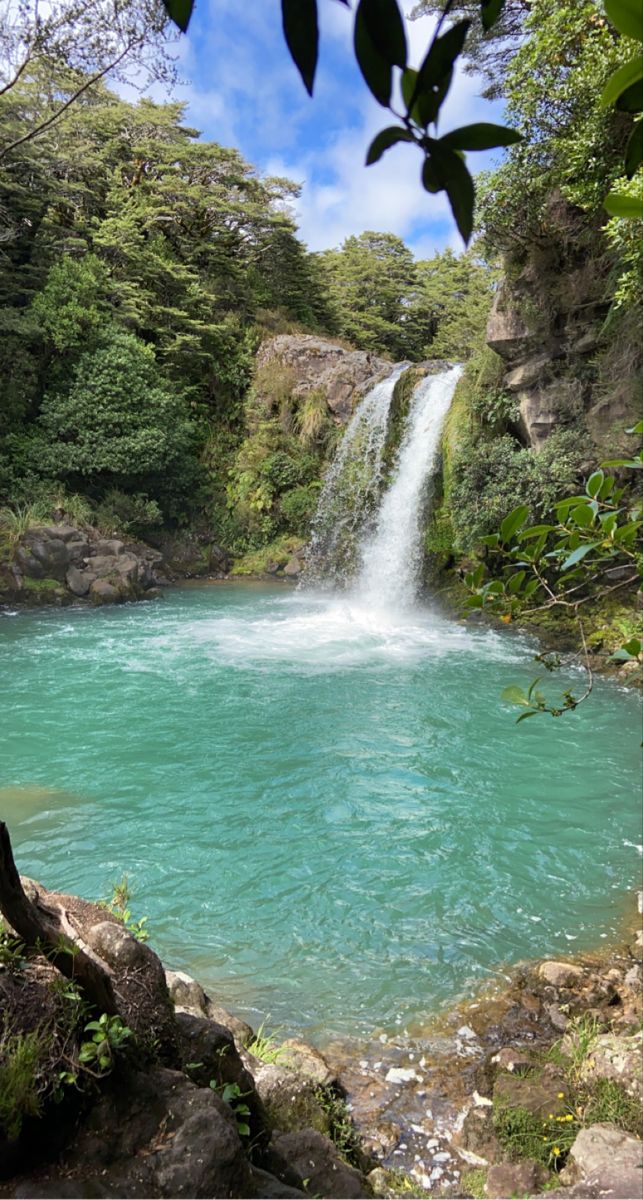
[297, 508]
[125, 513]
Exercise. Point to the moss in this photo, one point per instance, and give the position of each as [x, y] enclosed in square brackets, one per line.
[263, 561]
[298, 1110]
[398, 413]
[41, 585]
[473, 1183]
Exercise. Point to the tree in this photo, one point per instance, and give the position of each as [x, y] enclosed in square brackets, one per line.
[79, 42]
[371, 279]
[488, 52]
[451, 304]
[117, 424]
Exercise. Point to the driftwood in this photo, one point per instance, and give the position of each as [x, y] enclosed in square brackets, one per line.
[50, 931]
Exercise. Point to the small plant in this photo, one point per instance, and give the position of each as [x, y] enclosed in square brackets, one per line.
[264, 1046]
[21, 1057]
[473, 1183]
[342, 1131]
[118, 906]
[609, 1103]
[12, 957]
[232, 1095]
[579, 1040]
[107, 1036]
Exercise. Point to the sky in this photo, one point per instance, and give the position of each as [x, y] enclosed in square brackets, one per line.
[243, 90]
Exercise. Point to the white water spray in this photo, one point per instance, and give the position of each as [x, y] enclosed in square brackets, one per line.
[352, 485]
[392, 556]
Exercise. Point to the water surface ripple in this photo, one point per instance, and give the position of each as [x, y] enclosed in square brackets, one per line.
[326, 810]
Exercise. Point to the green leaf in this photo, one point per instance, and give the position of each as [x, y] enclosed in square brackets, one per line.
[638, 428]
[534, 531]
[582, 516]
[627, 16]
[491, 10]
[377, 72]
[301, 31]
[619, 204]
[634, 151]
[243, 1129]
[523, 716]
[595, 483]
[442, 54]
[578, 554]
[482, 136]
[633, 647]
[513, 521]
[515, 695]
[458, 184]
[631, 100]
[431, 179]
[384, 140]
[514, 584]
[385, 26]
[621, 80]
[180, 12]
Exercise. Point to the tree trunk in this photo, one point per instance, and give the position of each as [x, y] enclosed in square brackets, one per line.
[50, 932]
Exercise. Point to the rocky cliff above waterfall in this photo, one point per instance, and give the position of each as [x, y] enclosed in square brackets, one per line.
[570, 359]
[338, 371]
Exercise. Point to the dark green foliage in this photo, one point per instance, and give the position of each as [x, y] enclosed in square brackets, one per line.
[136, 267]
[117, 424]
[491, 478]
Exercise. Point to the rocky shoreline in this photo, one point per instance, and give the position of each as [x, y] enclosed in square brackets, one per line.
[198, 1104]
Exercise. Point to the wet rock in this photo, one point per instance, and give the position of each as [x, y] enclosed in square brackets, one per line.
[608, 1160]
[316, 1159]
[507, 330]
[560, 974]
[102, 592]
[515, 1179]
[539, 1096]
[293, 568]
[478, 1136]
[617, 1058]
[306, 1061]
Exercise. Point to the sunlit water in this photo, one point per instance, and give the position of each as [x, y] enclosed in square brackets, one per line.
[327, 812]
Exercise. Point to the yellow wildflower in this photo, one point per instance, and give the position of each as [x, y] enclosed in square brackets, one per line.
[569, 1117]
[561, 1095]
[556, 1151]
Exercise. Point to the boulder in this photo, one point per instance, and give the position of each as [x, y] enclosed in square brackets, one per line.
[317, 363]
[560, 974]
[315, 1158]
[139, 980]
[102, 592]
[616, 1058]
[293, 568]
[291, 1101]
[79, 582]
[515, 1179]
[157, 1134]
[211, 1050]
[109, 547]
[189, 996]
[606, 1160]
[41, 556]
[306, 1061]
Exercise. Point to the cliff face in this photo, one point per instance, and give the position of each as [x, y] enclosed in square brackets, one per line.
[340, 373]
[570, 361]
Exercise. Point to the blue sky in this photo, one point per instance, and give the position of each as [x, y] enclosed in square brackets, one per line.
[243, 90]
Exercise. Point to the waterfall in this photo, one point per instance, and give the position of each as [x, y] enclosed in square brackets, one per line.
[352, 488]
[392, 555]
